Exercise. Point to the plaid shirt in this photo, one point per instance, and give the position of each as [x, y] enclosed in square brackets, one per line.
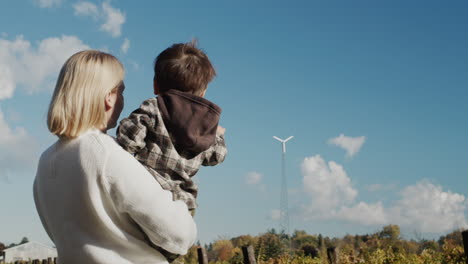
[144, 134]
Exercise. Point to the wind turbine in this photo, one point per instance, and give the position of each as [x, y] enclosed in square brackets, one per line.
[284, 214]
[283, 141]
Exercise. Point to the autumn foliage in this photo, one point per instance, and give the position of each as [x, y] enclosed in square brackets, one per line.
[383, 247]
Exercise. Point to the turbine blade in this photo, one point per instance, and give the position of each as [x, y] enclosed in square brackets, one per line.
[288, 138]
[277, 138]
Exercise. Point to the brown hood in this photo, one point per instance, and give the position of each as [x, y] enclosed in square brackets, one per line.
[191, 120]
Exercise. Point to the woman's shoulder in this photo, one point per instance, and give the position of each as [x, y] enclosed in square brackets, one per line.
[106, 148]
[100, 142]
[90, 150]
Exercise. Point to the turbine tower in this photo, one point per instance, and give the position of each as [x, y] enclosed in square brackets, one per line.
[284, 212]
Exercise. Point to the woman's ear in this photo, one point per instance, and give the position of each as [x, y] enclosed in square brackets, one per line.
[110, 99]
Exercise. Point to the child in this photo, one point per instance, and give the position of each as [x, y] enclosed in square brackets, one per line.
[175, 133]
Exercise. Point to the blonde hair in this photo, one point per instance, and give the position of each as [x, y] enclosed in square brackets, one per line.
[82, 85]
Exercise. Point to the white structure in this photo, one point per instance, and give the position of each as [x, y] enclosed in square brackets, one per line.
[283, 141]
[284, 212]
[29, 251]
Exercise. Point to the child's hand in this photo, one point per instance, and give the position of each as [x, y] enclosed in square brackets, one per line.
[220, 130]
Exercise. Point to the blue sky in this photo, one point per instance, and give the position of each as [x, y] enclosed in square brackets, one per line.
[374, 93]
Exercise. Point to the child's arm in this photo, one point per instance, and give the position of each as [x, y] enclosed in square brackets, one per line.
[217, 152]
[132, 131]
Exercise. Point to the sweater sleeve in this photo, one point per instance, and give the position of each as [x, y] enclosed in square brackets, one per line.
[39, 210]
[167, 223]
[132, 131]
[216, 153]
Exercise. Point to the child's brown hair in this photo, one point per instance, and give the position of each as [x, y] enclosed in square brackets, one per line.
[183, 67]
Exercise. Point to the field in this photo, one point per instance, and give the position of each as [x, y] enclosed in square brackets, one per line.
[384, 247]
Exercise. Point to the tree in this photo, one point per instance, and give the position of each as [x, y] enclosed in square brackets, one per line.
[269, 246]
[390, 232]
[299, 233]
[300, 238]
[238, 257]
[223, 250]
[309, 251]
[191, 257]
[2, 247]
[328, 242]
[320, 241]
[11, 245]
[428, 244]
[243, 241]
[454, 237]
[272, 231]
[24, 240]
[209, 247]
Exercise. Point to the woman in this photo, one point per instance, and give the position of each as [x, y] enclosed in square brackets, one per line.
[96, 202]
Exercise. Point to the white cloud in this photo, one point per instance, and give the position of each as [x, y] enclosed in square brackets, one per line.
[33, 68]
[86, 9]
[428, 207]
[125, 46]
[253, 178]
[114, 19]
[363, 213]
[327, 184]
[423, 206]
[350, 144]
[18, 149]
[48, 3]
[7, 84]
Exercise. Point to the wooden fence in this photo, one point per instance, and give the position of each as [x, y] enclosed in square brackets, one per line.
[332, 253]
[248, 254]
[37, 261]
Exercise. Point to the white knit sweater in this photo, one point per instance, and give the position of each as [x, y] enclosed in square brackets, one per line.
[95, 201]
